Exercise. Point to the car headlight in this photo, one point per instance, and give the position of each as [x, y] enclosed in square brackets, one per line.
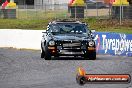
[91, 43]
[51, 43]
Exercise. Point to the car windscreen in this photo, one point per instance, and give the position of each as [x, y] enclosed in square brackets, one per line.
[64, 28]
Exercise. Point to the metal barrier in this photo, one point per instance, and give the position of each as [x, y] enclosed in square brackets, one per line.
[62, 11]
[57, 11]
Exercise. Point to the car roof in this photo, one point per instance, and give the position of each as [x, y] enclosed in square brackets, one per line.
[67, 21]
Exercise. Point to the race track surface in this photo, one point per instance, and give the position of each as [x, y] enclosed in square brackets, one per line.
[25, 69]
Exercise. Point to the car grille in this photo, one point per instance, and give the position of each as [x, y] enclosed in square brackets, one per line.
[70, 47]
[71, 44]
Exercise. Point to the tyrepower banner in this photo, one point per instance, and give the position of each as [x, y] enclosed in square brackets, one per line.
[113, 43]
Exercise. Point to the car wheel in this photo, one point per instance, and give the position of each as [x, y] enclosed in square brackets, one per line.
[42, 53]
[47, 54]
[90, 56]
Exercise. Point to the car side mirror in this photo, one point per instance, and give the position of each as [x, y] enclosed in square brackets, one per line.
[93, 33]
[45, 31]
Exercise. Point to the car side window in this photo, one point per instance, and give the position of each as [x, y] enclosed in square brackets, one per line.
[55, 28]
[87, 29]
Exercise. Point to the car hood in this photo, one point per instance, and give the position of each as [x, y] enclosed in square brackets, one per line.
[70, 37]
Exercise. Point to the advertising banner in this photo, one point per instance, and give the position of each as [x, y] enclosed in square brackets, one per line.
[113, 43]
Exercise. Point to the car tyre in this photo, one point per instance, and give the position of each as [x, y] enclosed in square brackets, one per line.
[47, 56]
[42, 53]
[91, 56]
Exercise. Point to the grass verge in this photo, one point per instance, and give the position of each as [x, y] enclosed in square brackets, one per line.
[40, 24]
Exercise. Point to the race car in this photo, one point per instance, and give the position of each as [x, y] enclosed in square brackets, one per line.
[64, 38]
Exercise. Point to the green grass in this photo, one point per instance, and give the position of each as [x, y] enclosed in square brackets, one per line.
[41, 24]
[40, 14]
[31, 19]
[39, 19]
[110, 25]
[118, 30]
[23, 24]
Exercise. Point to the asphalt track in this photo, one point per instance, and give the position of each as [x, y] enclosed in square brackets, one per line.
[25, 69]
